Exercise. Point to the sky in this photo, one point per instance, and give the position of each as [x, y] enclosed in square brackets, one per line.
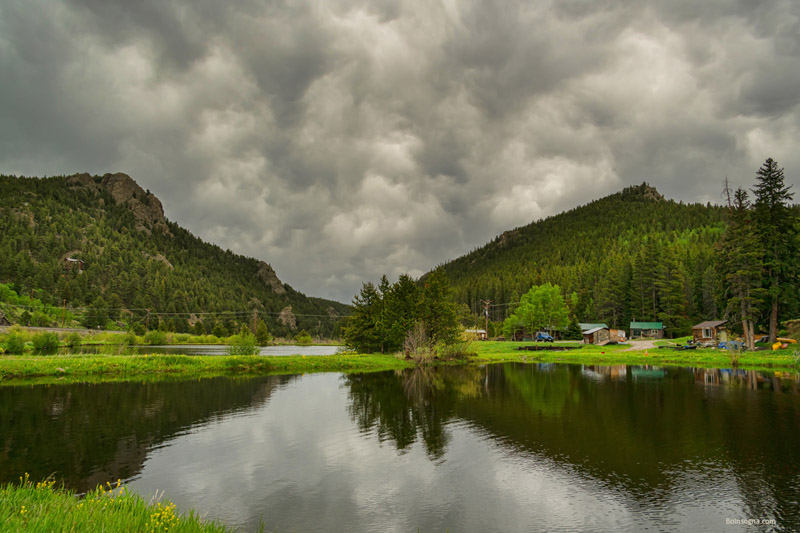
[340, 140]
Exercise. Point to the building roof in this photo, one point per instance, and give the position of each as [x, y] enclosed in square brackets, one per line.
[647, 325]
[475, 330]
[710, 324]
[587, 325]
[593, 330]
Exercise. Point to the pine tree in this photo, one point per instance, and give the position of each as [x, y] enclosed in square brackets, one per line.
[436, 310]
[739, 261]
[775, 228]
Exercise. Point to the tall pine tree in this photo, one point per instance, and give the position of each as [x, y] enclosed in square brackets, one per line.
[775, 228]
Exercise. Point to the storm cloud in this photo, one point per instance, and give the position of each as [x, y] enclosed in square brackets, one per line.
[341, 140]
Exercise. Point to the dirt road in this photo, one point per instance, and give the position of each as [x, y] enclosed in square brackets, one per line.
[641, 345]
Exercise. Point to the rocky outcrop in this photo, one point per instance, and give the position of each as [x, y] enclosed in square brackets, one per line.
[146, 208]
[268, 276]
[160, 258]
[287, 318]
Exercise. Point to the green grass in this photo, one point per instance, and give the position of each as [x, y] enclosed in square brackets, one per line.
[120, 367]
[69, 368]
[42, 507]
[781, 360]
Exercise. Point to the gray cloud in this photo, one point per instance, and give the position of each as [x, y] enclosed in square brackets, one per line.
[344, 140]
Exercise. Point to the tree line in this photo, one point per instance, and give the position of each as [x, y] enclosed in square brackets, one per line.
[189, 286]
[634, 256]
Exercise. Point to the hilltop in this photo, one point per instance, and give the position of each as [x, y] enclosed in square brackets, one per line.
[103, 245]
[630, 255]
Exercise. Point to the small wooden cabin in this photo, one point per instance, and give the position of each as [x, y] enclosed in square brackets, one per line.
[710, 331]
[479, 334]
[647, 329]
[598, 335]
[603, 335]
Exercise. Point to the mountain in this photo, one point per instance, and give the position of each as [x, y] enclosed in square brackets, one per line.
[102, 245]
[630, 255]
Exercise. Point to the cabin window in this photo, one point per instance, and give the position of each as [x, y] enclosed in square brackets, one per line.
[706, 333]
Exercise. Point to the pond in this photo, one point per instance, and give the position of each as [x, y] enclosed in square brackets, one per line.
[507, 447]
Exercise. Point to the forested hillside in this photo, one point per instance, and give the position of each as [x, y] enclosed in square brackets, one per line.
[630, 256]
[102, 244]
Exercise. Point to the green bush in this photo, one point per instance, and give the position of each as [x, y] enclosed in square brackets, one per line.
[45, 343]
[40, 319]
[154, 337]
[74, 339]
[303, 338]
[15, 344]
[129, 339]
[243, 344]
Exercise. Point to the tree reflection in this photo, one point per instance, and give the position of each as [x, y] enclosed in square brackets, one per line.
[87, 434]
[404, 405]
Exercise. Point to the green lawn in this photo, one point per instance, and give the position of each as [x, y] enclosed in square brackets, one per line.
[782, 360]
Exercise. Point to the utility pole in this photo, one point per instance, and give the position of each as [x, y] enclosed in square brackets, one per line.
[147, 321]
[486, 304]
[64, 314]
[255, 321]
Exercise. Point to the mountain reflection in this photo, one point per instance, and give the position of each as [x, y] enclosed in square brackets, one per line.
[89, 433]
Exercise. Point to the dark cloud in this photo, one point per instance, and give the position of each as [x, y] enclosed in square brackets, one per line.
[350, 138]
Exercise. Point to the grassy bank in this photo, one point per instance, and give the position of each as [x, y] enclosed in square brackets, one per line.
[160, 366]
[42, 507]
[767, 360]
[71, 367]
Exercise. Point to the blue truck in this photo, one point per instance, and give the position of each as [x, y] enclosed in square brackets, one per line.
[542, 336]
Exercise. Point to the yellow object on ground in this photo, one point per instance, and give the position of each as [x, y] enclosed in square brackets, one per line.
[776, 346]
[786, 339]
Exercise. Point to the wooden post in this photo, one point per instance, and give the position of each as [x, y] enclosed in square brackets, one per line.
[255, 321]
[64, 314]
[147, 321]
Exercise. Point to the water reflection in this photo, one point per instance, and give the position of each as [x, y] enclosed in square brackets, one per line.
[500, 447]
[88, 433]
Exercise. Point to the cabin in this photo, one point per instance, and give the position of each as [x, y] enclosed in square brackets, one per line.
[479, 334]
[602, 334]
[654, 330]
[598, 335]
[710, 331]
[71, 262]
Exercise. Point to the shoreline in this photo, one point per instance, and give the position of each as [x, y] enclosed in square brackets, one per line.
[24, 369]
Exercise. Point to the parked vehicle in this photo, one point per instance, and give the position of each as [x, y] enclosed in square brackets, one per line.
[542, 336]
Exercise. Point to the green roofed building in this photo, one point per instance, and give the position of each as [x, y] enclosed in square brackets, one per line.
[647, 329]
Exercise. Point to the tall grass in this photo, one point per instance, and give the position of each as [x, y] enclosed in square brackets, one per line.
[41, 507]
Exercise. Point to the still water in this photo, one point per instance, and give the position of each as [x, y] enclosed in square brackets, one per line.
[506, 447]
[220, 349]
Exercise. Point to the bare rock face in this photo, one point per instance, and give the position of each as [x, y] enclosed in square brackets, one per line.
[287, 318]
[146, 208]
[268, 276]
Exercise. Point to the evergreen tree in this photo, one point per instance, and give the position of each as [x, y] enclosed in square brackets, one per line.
[363, 329]
[775, 228]
[739, 261]
[436, 309]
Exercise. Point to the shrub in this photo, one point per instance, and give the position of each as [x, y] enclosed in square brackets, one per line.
[40, 319]
[45, 343]
[130, 338]
[455, 350]
[74, 339]
[303, 338]
[15, 344]
[155, 336]
[243, 344]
